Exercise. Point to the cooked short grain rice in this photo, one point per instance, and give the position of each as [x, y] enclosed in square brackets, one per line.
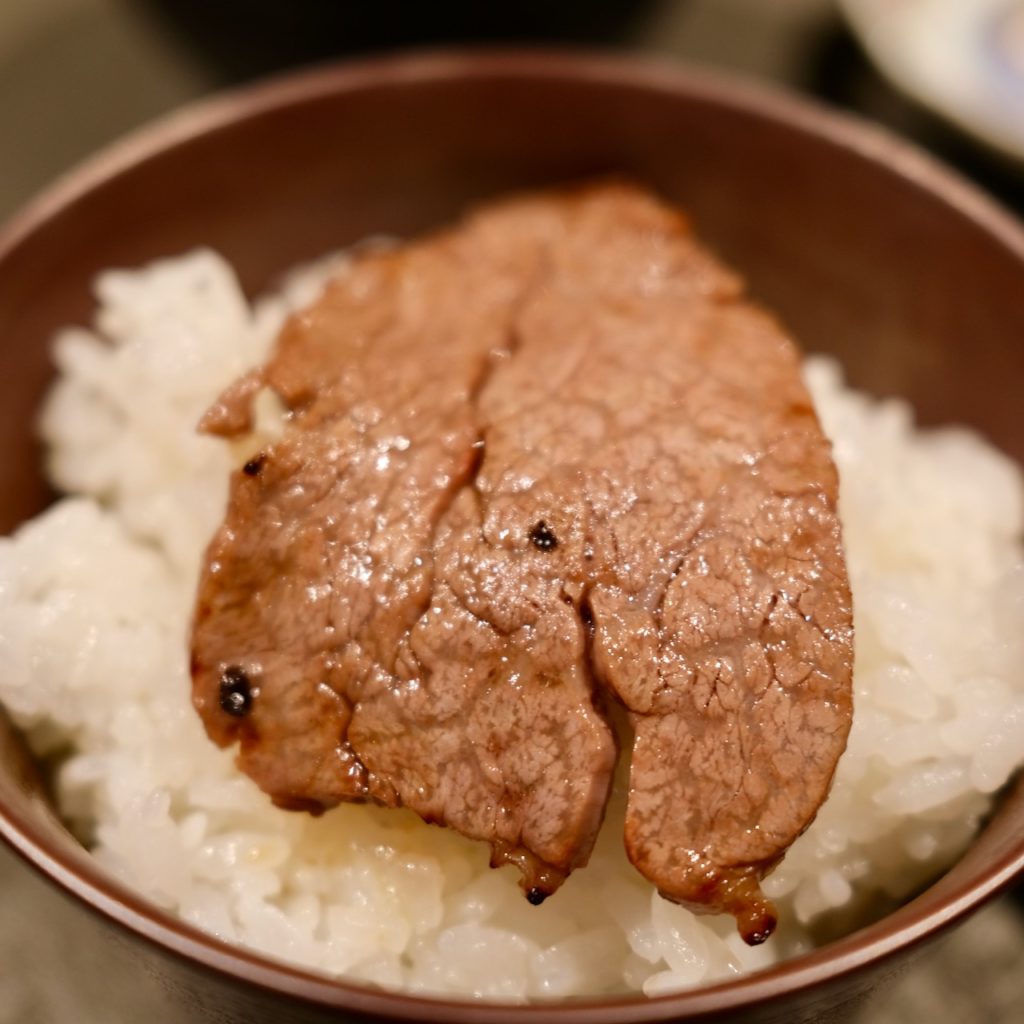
[95, 597]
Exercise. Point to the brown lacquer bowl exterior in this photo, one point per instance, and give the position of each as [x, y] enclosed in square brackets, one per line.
[868, 249]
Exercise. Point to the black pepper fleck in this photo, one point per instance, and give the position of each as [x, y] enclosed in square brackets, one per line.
[254, 465]
[235, 692]
[536, 896]
[542, 537]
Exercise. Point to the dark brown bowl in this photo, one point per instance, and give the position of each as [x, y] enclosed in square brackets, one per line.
[867, 248]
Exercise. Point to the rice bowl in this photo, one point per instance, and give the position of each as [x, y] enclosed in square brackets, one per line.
[761, 173]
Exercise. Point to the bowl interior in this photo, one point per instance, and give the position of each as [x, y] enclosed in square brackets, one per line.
[866, 250]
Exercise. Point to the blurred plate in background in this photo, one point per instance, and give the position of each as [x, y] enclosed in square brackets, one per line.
[964, 59]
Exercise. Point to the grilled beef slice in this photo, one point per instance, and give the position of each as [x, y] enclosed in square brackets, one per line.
[544, 460]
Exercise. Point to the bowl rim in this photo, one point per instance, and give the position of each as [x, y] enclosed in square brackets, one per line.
[909, 926]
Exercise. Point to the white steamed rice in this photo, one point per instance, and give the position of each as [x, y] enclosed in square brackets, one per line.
[95, 598]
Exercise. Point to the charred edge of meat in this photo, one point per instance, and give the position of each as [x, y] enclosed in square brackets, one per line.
[235, 692]
[290, 802]
[537, 896]
[542, 537]
[755, 923]
[755, 914]
[255, 464]
[755, 938]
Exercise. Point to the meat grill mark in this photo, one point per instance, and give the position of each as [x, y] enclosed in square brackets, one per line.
[455, 665]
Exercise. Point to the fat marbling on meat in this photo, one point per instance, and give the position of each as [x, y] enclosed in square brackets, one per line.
[545, 461]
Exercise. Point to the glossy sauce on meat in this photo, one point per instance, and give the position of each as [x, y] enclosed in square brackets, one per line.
[546, 460]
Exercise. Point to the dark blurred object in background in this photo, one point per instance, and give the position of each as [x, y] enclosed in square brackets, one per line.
[801, 42]
[245, 38]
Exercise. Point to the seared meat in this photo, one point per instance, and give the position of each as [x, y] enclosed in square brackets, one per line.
[321, 583]
[550, 456]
